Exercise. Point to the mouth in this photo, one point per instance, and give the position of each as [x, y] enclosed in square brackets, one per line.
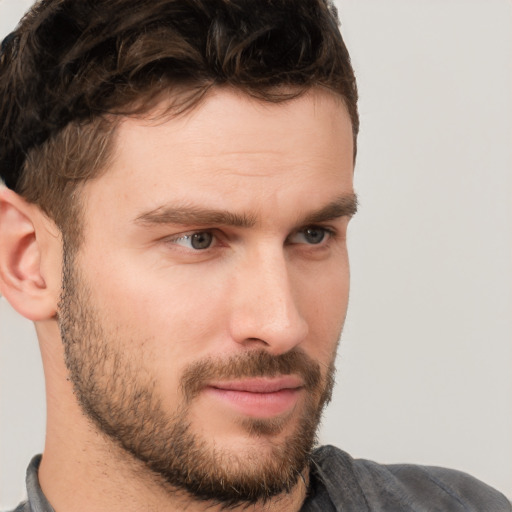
[258, 397]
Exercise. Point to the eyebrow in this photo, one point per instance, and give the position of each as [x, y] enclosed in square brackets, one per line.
[193, 215]
[343, 206]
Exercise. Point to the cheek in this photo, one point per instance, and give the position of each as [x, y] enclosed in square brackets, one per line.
[172, 311]
[323, 300]
[157, 328]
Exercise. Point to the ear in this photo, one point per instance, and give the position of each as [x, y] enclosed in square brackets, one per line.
[24, 242]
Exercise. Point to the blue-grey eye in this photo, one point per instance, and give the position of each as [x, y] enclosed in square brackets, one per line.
[201, 240]
[310, 236]
[314, 235]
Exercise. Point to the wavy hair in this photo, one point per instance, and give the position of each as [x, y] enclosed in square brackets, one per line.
[72, 68]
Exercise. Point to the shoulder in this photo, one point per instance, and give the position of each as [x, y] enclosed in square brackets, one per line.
[405, 486]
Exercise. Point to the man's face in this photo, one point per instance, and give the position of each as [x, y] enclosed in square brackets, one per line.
[201, 314]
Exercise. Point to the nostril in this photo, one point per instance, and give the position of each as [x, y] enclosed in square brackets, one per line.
[255, 341]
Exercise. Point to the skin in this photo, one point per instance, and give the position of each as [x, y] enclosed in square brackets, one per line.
[259, 286]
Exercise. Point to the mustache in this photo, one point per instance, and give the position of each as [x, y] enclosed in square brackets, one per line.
[256, 363]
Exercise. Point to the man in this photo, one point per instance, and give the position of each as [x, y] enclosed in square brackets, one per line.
[179, 185]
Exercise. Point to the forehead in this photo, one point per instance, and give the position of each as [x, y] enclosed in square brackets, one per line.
[231, 150]
[229, 122]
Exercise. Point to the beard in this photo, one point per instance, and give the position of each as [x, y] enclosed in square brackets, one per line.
[121, 398]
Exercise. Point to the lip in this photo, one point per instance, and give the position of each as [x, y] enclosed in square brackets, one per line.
[258, 397]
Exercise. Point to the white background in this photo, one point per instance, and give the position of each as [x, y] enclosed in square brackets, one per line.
[426, 358]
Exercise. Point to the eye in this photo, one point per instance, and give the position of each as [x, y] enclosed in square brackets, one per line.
[311, 235]
[197, 241]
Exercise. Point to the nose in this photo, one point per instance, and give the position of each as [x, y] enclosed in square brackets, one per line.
[264, 304]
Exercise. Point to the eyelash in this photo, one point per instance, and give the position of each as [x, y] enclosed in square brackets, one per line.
[328, 233]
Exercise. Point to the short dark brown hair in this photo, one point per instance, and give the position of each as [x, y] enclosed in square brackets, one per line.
[71, 68]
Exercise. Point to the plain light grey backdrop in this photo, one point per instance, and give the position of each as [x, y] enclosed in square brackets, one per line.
[425, 362]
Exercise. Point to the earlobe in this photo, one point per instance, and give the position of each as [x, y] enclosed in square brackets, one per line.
[21, 279]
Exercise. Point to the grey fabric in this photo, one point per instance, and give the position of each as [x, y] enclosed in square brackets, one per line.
[37, 501]
[340, 483]
[360, 485]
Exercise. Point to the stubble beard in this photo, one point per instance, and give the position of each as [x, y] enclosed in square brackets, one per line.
[120, 397]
